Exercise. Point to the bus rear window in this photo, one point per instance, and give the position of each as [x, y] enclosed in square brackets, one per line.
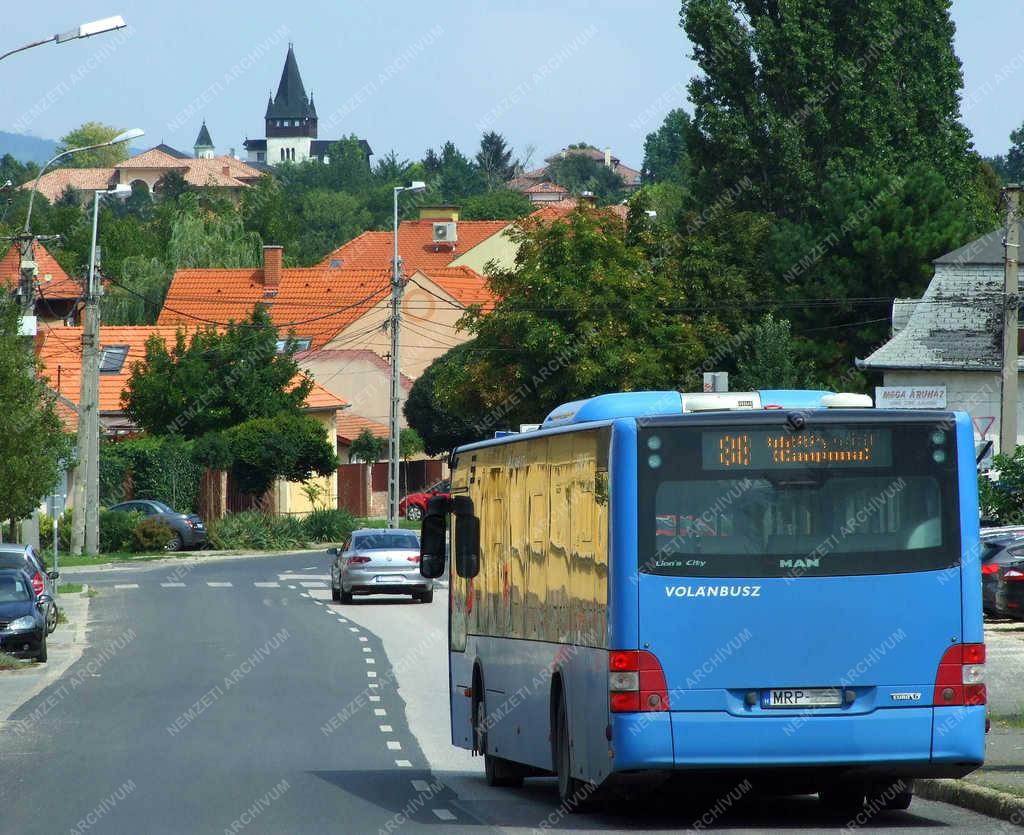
[769, 502]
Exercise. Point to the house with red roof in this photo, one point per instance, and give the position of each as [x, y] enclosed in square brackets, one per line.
[59, 350]
[58, 296]
[528, 179]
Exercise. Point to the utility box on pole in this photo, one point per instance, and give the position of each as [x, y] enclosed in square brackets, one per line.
[1008, 408]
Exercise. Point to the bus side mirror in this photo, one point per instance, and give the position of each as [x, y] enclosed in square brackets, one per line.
[467, 538]
[432, 538]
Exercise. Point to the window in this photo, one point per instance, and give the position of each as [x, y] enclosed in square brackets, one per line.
[112, 358]
[335, 263]
[302, 343]
[282, 155]
[261, 156]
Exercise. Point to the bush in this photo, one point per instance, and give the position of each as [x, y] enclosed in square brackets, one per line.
[254, 531]
[116, 528]
[328, 525]
[158, 468]
[1002, 498]
[63, 531]
[150, 535]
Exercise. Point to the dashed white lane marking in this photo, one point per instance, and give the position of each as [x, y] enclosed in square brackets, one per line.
[219, 585]
[268, 585]
[172, 585]
[369, 661]
[371, 674]
[342, 620]
[374, 698]
[394, 745]
[386, 729]
[310, 568]
[367, 649]
[420, 785]
[318, 603]
[364, 638]
[303, 576]
[444, 814]
[312, 584]
[379, 711]
[126, 585]
[290, 586]
[353, 629]
[403, 763]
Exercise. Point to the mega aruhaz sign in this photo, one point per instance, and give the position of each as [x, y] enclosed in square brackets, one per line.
[910, 397]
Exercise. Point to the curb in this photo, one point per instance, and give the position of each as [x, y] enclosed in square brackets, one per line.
[986, 801]
[215, 556]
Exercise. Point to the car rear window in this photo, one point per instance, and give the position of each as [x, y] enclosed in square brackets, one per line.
[385, 541]
[13, 589]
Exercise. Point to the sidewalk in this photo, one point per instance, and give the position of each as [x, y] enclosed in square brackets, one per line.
[996, 789]
[186, 557]
[64, 647]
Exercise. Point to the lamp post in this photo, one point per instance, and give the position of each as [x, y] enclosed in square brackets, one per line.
[396, 315]
[86, 30]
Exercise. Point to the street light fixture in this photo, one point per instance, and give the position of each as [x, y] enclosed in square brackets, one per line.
[86, 30]
[396, 314]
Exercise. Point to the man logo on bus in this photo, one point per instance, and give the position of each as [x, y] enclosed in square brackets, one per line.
[808, 563]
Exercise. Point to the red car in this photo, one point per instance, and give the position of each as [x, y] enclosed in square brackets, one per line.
[414, 505]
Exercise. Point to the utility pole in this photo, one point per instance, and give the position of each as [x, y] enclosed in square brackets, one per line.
[27, 291]
[1008, 408]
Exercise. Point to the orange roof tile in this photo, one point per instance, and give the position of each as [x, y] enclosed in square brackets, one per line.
[52, 281]
[314, 303]
[558, 209]
[545, 188]
[53, 183]
[464, 284]
[60, 352]
[350, 427]
[155, 158]
[415, 243]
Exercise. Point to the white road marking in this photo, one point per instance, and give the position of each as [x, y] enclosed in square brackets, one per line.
[172, 585]
[342, 620]
[374, 698]
[420, 785]
[290, 586]
[268, 585]
[369, 661]
[219, 585]
[373, 685]
[318, 602]
[394, 745]
[367, 649]
[353, 629]
[403, 763]
[386, 729]
[444, 814]
[379, 711]
[310, 568]
[303, 576]
[126, 586]
[364, 638]
[312, 584]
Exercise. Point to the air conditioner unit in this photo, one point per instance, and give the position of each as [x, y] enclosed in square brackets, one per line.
[445, 233]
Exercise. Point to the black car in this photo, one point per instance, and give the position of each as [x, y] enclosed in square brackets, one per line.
[22, 623]
[26, 558]
[188, 528]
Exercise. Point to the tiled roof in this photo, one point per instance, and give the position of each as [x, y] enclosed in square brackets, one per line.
[54, 182]
[60, 352]
[52, 281]
[320, 399]
[67, 411]
[154, 158]
[546, 188]
[351, 426]
[558, 209]
[415, 243]
[465, 285]
[331, 299]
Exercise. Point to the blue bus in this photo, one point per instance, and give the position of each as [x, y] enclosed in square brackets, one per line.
[780, 585]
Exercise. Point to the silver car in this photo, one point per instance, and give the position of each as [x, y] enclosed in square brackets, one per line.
[379, 561]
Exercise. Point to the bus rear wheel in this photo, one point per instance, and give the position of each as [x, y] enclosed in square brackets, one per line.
[843, 798]
[497, 770]
[895, 795]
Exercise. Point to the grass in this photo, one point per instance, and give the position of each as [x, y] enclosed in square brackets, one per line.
[1014, 720]
[69, 588]
[9, 662]
[381, 523]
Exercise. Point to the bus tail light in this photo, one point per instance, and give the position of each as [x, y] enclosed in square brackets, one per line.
[960, 679]
[636, 682]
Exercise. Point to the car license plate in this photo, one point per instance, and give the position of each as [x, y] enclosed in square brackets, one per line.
[797, 697]
[382, 578]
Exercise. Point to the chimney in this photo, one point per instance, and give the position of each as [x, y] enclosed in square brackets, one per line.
[226, 170]
[449, 214]
[607, 157]
[273, 256]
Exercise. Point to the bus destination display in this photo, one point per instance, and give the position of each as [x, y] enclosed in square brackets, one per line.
[765, 449]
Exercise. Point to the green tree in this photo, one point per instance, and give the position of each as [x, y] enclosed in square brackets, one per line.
[214, 379]
[367, 448]
[327, 218]
[766, 358]
[172, 185]
[457, 178]
[494, 160]
[287, 445]
[138, 294]
[207, 239]
[410, 444]
[15, 171]
[93, 133]
[666, 150]
[441, 425]
[792, 94]
[32, 440]
[580, 173]
[499, 204]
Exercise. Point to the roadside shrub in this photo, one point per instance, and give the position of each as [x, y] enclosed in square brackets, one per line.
[254, 531]
[150, 535]
[116, 528]
[157, 468]
[327, 525]
[63, 531]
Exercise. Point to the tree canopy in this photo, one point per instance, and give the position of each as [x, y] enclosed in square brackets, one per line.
[92, 133]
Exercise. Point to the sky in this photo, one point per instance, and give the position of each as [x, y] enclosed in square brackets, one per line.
[410, 75]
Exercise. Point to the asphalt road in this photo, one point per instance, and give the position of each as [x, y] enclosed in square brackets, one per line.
[234, 696]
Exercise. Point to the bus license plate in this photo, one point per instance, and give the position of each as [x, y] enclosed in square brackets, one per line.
[802, 697]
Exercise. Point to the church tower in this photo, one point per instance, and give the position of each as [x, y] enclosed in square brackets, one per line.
[203, 148]
[291, 117]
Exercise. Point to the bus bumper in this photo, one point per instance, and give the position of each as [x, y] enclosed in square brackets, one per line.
[926, 741]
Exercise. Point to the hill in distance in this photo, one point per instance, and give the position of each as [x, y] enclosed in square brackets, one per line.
[26, 148]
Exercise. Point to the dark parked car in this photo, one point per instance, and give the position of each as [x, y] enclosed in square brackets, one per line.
[999, 548]
[379, 561]
[22, 622]
[27, 559]
[1010, 590]
[188, 528]
[414, 506]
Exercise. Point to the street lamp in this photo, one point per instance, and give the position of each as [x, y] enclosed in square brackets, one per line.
[396, 313]
[85, 521]
[86, 30]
